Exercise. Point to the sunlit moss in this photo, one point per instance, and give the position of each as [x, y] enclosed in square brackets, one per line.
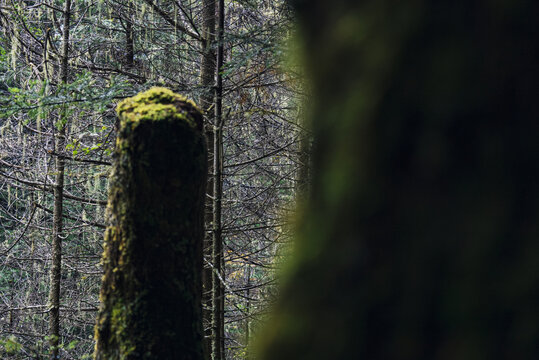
[155, 104]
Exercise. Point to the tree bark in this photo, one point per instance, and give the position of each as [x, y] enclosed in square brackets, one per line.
[248, 314]
[206, 101]
[129, 37]
[208, 59]
[151, 290]
[419, 238]
[218, 293]
[57, 223]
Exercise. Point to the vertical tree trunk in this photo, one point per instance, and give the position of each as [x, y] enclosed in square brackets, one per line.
[208, 59]
[151, 290]
[129, 38]
[57, 223]
[217, 250]
[419, 240]
[248, 314]
[206, 102]
[218, 295]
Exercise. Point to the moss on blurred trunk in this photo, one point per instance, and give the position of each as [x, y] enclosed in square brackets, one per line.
[420, 238]
[150, 296]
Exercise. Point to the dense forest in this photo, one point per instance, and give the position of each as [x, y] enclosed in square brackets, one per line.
[64, 65]
[400, 136]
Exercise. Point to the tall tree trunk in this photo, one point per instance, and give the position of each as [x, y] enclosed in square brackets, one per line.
[419, 240]
[217, 249]
[129, 38]
[206, 102]
[248, 313]
[218, 294]
[151, 290]
[208, 59]
[57, 223]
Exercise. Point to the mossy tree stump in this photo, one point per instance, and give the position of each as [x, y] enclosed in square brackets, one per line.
[151, 289]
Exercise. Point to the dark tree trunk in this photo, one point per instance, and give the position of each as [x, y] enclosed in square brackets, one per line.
[420, 238]
[151, 291]
[129, 38]
[218, 291]
[57, 222]
[208, 59]
[207, 102]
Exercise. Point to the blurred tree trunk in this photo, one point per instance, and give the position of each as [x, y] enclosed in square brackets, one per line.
[58, 190]
[151, 290]
[419, 240]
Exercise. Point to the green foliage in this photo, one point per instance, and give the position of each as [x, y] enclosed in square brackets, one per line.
[39, 98]
[11, 345]
[3, 57]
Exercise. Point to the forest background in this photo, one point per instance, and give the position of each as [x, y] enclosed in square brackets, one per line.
[64, 64]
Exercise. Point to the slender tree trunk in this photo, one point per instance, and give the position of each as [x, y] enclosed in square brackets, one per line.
[151, 290]
[208, 60]
[419, 240]
[206, 102]
[217, 253]
[248, 313]
[57, 225]
[218, 296]
[129, 38]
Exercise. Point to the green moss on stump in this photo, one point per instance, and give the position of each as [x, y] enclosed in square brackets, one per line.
[159, 103]
[150, 295]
